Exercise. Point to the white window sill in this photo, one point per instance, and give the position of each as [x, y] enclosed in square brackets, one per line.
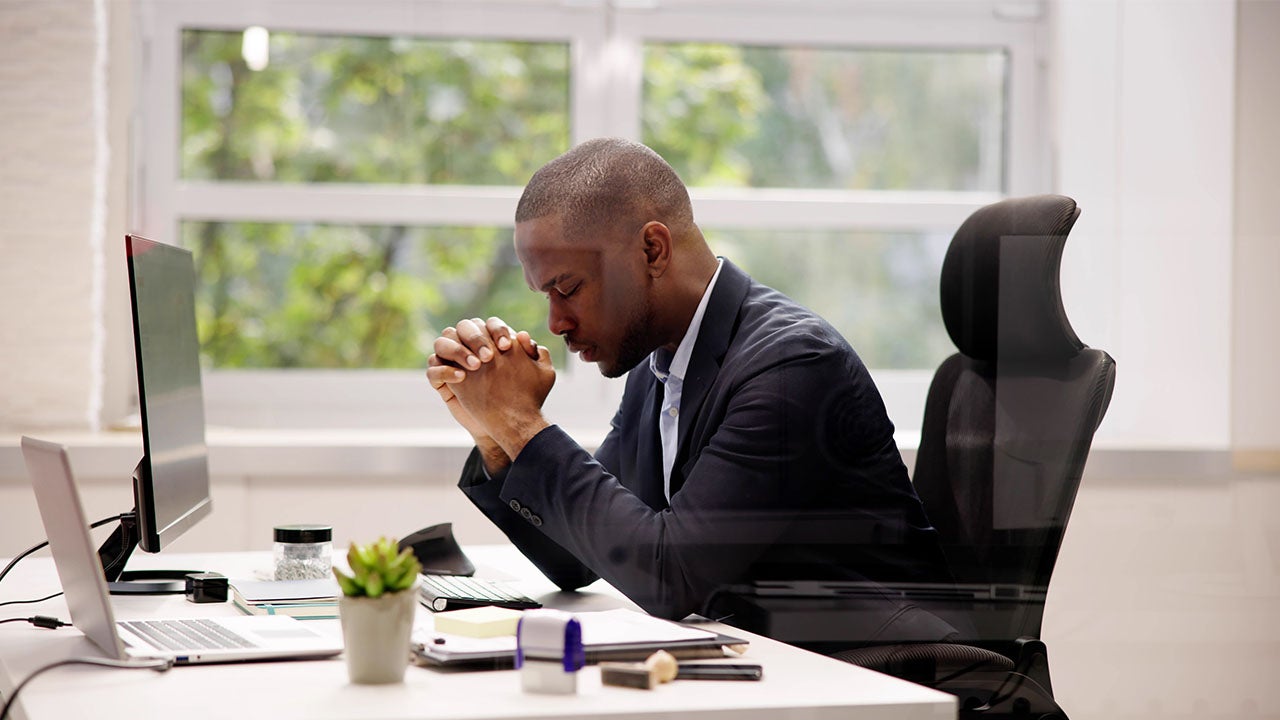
[415, 452]
[275, 453]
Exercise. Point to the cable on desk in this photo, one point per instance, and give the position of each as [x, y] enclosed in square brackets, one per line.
[43, 621]
[157, 665]
[33, 548]
[28, 602]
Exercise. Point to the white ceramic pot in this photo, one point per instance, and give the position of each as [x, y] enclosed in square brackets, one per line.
[376, 633]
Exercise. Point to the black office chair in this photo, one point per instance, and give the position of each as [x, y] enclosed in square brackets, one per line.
[1007, 428]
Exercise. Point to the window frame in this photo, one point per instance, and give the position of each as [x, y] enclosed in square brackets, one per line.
[606, 41]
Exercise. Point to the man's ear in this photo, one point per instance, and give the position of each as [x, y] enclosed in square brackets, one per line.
[656, 241]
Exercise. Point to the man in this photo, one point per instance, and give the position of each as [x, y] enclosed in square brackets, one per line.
[750, 444]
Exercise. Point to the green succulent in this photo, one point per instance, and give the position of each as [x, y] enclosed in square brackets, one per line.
[378, 568]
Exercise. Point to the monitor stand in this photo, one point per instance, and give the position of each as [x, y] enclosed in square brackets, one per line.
[115, 552]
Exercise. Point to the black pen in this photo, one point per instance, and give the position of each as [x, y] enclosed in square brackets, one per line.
[718, 671]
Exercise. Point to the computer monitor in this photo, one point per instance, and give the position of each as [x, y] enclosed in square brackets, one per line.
[171, 482]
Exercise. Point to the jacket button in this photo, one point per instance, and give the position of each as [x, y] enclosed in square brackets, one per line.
[524, 513]
[515, 505]
[537, 521]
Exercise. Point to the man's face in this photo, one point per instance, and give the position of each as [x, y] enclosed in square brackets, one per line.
[597, 290]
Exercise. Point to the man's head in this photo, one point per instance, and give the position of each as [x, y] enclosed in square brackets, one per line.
[606, 231]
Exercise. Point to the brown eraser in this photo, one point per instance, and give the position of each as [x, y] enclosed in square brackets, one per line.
[632, 675]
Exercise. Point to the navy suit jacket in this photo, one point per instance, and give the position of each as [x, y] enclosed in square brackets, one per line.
[786, 469]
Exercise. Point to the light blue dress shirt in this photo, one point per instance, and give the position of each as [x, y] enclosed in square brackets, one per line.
[670, 371]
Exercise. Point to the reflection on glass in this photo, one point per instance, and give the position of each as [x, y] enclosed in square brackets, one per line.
[880, 290]
[737, 116]
[341, 296]
[372, 109]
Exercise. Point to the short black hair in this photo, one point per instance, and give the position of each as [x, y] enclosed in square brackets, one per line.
[607, 181]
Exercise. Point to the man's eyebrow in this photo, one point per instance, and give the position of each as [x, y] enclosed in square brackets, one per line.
[546, 286]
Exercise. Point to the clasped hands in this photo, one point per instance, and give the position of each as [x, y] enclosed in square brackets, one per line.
[493, 381]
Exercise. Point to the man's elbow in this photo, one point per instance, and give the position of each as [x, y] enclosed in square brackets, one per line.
[668, 608]
[570, 580]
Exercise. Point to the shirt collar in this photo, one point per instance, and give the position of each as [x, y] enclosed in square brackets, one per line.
[663, 363]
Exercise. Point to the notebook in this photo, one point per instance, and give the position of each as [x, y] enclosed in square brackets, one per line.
[184, 641]
[303, 599]
[619, 634]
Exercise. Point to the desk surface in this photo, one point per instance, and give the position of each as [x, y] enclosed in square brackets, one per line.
[797, 684]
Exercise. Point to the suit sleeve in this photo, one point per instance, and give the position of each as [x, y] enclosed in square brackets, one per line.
[559, 565]
[518, 524]
[744, 488]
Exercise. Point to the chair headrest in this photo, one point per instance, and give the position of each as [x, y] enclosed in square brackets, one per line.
[1001, 298]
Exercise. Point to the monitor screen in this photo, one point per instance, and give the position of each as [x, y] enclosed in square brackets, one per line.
[171, 485]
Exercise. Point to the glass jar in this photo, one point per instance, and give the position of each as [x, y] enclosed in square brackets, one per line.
[303, 552]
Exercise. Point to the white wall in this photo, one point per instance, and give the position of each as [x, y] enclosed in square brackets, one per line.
[47, 199]
[1145, 144]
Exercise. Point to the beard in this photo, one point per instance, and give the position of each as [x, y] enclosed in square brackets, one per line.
[636, 342]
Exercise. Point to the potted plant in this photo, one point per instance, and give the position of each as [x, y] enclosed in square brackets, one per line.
[379, 599]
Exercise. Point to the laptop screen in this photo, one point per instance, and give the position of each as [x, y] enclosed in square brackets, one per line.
[83, 582]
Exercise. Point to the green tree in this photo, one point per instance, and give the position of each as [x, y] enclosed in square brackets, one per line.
[362, 110]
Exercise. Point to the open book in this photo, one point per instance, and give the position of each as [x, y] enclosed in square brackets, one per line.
[609, 635]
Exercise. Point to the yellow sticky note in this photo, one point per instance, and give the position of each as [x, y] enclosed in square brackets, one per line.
[478, 622]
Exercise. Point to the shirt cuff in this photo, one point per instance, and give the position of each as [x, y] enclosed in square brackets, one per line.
[475, 475]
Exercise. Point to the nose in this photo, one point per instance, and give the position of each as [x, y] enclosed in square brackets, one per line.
[559, 320]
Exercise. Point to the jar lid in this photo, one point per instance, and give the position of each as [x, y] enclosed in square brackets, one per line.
[304, 533]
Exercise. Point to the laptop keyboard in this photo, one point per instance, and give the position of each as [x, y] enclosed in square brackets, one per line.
[451, 592]
[187, 635]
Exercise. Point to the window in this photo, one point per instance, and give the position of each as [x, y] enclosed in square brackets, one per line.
[321, 108]
[313, 108]
[878, 289]
[835, 119]
[832, 118]
[346, 173]
[275, 295]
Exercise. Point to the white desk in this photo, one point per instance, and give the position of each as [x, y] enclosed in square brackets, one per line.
[797, 684]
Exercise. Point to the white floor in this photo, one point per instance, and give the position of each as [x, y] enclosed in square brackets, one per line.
[1166, 599]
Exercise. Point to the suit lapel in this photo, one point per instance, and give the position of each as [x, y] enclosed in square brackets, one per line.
[718, 325]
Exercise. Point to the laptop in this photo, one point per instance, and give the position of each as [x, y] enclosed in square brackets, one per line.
[183, 641]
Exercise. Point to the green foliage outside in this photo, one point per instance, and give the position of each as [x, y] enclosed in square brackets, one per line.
[395, 110]
[880, 290]
[727, 115]
[362, 110]
[329, 296]
[373, 110]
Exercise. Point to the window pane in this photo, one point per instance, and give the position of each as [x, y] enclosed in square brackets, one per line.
[371, 109]
[739, 116]
[880, 290]
[341, 296]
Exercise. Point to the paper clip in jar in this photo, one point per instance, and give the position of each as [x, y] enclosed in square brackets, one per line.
[303, 552]
[549, 652]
